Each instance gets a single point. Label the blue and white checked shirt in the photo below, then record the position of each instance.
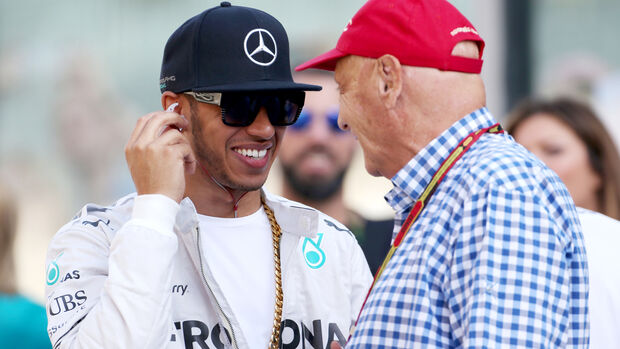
(495, 260)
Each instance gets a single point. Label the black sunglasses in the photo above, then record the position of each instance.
(241, 108)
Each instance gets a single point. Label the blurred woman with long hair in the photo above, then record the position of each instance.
(568, 136)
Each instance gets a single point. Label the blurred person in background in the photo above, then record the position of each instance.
(202, 254)
(489, 250)
(568, 136)
(314, 159)
(91, 122)
(22, 322)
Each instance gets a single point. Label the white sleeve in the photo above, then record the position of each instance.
(122, 295)
(361, 281)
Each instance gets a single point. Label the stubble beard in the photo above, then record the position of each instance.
(208, 159)
(312, 189)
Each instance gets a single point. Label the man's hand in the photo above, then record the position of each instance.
(335, 345)
(158, 154)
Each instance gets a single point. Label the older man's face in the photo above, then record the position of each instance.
(360, 109)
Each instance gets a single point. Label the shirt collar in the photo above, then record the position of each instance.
(410, 181)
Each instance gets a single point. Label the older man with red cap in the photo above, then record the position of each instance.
(488, 249)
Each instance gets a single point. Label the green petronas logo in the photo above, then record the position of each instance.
(53, 272)
(315, 257)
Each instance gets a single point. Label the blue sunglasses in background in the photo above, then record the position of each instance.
(306, 118)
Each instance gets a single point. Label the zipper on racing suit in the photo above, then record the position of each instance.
(227, 323)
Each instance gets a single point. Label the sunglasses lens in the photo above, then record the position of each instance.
(238, 109)
(241, 109)
(284, 109)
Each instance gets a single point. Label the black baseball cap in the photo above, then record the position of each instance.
(228, 48)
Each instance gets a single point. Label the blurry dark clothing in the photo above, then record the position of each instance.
(23, 323)
(374, 237)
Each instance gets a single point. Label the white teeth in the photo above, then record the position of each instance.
(252, 153)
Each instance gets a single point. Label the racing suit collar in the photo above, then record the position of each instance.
(293, 218)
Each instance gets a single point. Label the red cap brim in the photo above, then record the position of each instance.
(326, 61)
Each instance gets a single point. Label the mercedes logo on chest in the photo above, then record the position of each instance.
(261, 42)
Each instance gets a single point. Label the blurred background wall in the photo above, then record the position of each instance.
(75, 75)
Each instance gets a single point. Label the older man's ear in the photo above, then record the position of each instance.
(390, 79)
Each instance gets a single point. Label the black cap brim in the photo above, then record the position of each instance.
(259, 86)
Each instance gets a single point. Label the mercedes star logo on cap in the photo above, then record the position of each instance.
(266, 43)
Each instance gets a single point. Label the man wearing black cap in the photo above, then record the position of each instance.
(488, 251)
(201, 253)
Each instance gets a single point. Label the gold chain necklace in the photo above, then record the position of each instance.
(276, 233)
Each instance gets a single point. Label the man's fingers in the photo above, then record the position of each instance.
(137, 130)
(174, 139)
(165, 145)
(170, 136)
(161, 121)
(335, 345)
(151, 126)
(159, 154)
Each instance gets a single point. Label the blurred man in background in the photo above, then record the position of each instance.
(314, 158)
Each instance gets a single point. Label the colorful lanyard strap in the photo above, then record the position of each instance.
(419, 205)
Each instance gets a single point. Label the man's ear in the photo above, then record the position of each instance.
(168, 98)
(390, 79)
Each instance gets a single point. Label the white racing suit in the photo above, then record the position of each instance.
(115, 284)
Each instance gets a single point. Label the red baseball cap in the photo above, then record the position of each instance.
(419, 33)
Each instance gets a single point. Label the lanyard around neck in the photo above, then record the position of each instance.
(420, 204)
